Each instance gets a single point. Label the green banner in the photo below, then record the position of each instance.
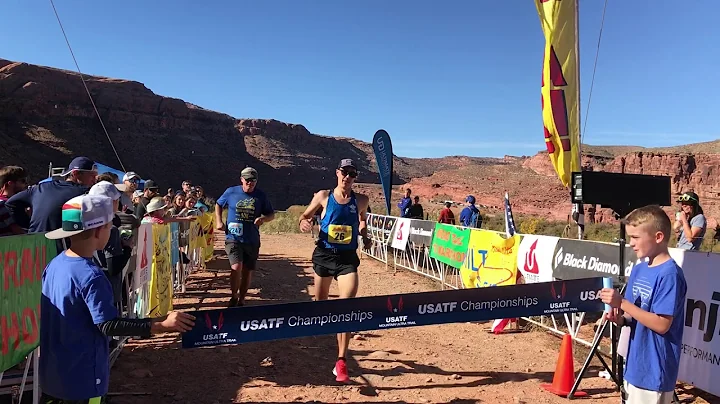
(450, 244)
(22, 260)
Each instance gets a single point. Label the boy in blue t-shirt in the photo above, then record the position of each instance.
(77, 311)
(653, 307)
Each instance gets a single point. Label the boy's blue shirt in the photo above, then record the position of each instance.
(654, 360)
(76, 298)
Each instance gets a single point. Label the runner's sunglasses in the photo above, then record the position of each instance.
(686, 198)
(349, 173)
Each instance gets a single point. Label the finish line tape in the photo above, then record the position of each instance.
(238, 325)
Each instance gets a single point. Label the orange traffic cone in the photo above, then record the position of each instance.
(564, 371)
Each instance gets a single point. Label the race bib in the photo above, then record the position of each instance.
(236, 229)
(339, 234)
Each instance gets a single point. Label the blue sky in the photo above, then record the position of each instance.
(443, 78)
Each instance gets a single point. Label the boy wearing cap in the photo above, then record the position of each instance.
(335, 256)
(77, 310)
(248, 208)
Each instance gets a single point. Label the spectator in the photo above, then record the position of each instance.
(47, 198)
(77, 309)
(155, 211)
(690, 223)
(150, 191)
(114, 256)
(416, 210)
(446, 215)
(186, 185)
(13, 180)
(405, 204)
(177, 204)
(131, 181)
(470, 215)
(136, 196)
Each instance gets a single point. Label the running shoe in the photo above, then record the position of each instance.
(233, 302)
(340, 371)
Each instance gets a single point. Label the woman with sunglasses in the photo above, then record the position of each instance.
(690, 222)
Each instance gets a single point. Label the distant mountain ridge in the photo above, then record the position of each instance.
(46, 111)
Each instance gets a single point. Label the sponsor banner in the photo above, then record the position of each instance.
(375, 225)
(700, 349)
(145, 251)
(401, 233)
(302, 319)
(175, 243)
(450, 244)
(421, 232)
(160, 294)
(535, 258)
(491, 260)
(388, 229)
(382, 146)
(574, 259)
(23, 260)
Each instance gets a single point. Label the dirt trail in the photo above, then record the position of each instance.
(452, 363)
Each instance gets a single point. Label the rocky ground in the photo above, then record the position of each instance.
(453, 363)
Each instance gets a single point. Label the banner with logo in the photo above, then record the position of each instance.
(401, 234)
(491, 260)
(421, 232)
(302, 319)
(700, 349)
(145, 251)
(175, 243)
(535, 258)
(382, 146)
(574, 259)
(160, 292)
(560, 85)
(23, 260)
(450, 244)
(388, 229)
(375, 224)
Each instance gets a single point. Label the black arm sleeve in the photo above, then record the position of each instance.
(126, 327)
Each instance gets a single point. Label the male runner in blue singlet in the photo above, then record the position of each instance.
(335, 256)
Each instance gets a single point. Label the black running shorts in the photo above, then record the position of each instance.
(241, 253)
(334, 262)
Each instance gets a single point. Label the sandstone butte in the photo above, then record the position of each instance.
(46, 116)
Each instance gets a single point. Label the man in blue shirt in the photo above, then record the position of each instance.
(470, 215)
(405, 204)
(46, 199)
(654, 309)
(248, 209)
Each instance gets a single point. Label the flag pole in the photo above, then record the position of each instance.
(579, 206)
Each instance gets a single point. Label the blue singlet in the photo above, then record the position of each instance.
(340, 227)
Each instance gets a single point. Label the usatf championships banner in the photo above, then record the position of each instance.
(292, 320)
(384, 158)
(560, 104)
(450, 244)
(23, 260)
(491, 260)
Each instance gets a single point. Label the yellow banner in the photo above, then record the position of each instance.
(560, 85)
(207, 221)
(491, 260)
(160, 295)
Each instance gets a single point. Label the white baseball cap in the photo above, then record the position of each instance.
(82, 213)
(130, 175)
(105, 188)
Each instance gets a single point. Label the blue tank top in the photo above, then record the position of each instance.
(340, 226)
